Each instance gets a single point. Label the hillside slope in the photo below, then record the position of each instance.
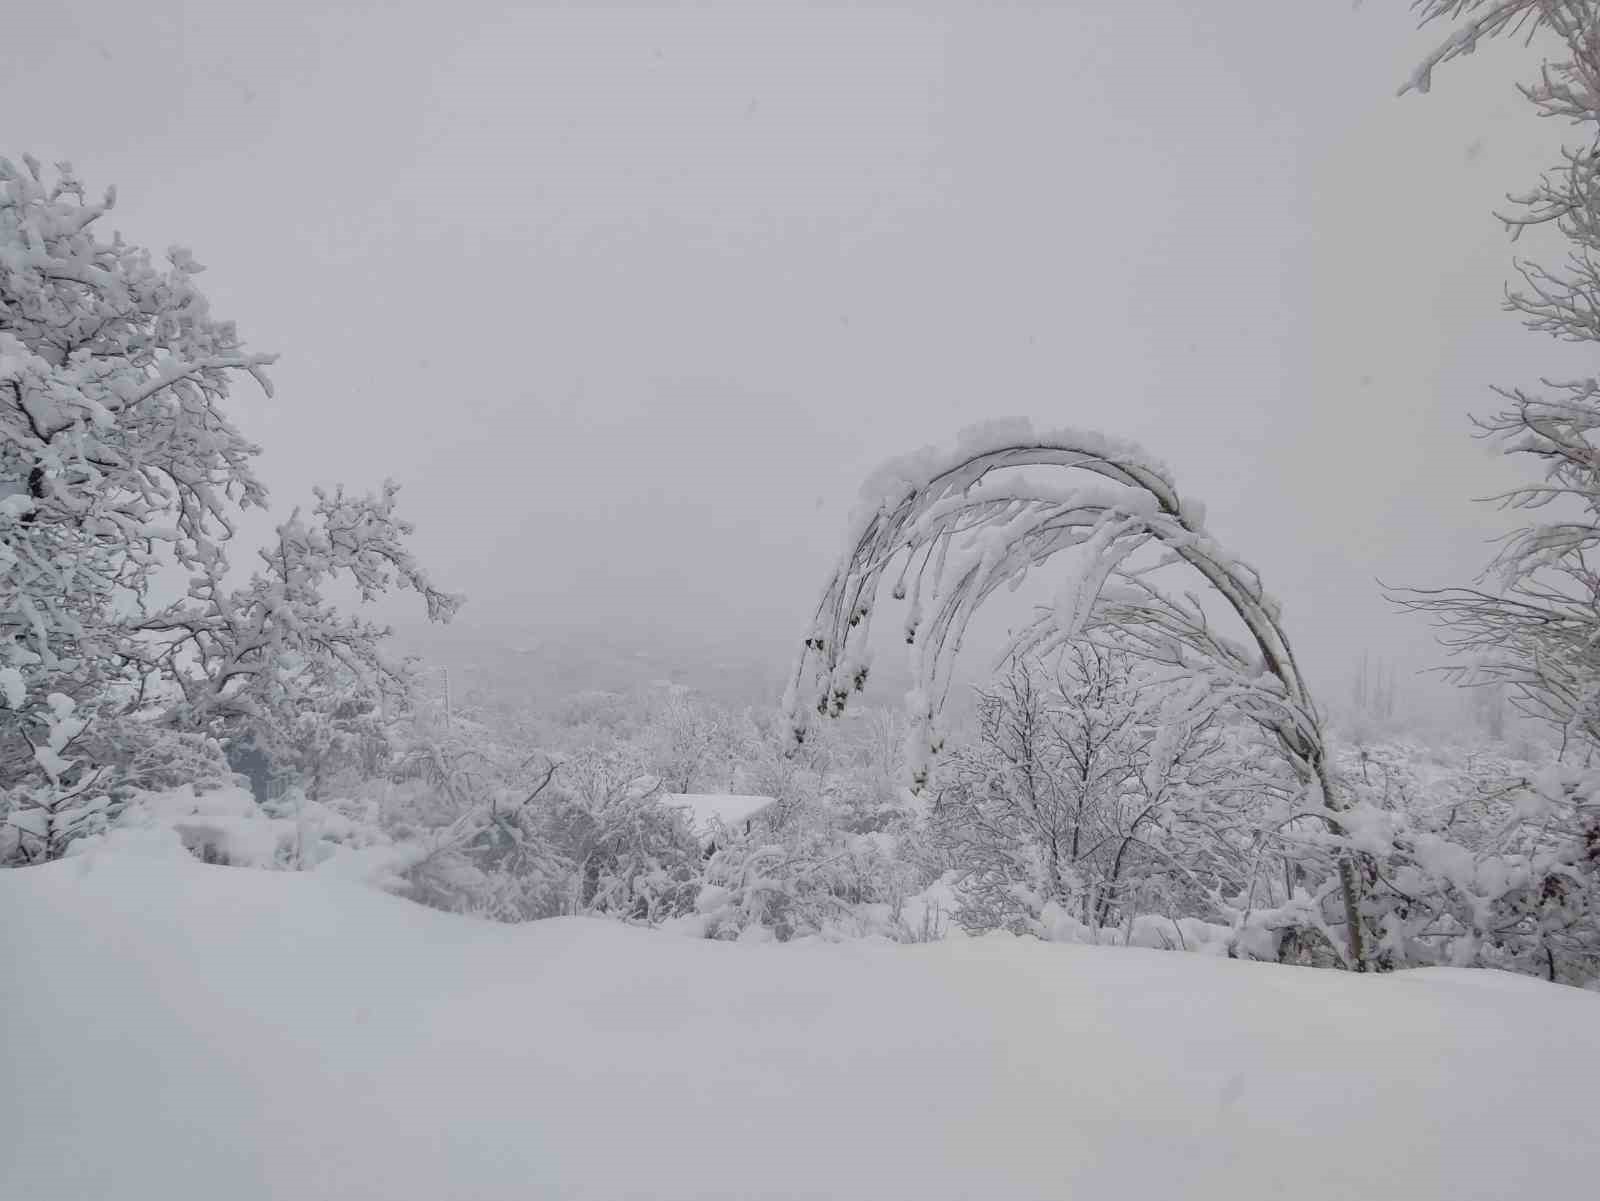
(177, 1031)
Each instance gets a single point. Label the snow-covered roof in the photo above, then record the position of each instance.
(708, 810)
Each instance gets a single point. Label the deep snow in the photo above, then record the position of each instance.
(175, 1031)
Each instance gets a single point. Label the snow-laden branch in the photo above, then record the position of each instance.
(953, 530)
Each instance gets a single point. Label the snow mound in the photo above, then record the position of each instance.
(227, 826)
(176, 1030)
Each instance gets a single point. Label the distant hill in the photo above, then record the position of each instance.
(537, 667)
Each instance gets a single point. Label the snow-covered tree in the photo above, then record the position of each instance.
(116, 457)
(118, 462)
(686, 742)
(1082, 791)
(1532, 624)
(275, 659)
(69, 802)
(953, 527)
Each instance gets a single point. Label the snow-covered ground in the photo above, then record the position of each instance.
(176, 1031)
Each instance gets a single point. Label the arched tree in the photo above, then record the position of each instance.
(951, 528)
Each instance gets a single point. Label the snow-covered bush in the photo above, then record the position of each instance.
(813, 881)
(828, 858)
(1475, 859)
(227, 827)
(631, 855)
(1093, 795)
(467, 803)
(517, 834)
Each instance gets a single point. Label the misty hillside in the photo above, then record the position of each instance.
(535, 667)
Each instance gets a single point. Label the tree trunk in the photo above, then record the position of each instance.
(1347, 875)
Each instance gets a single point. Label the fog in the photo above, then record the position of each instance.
(630, 299)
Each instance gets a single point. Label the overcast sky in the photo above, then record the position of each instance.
(631, 298)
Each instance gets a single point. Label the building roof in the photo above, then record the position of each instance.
(707, 810)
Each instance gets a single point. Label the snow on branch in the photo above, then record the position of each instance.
(950, 528)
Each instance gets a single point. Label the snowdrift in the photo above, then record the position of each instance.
(175, 1030)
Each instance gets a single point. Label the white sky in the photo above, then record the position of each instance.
(631, 298)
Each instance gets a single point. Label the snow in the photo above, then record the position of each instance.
(186, 1031)
(707, 810)
(228, 825)
(12, 690)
